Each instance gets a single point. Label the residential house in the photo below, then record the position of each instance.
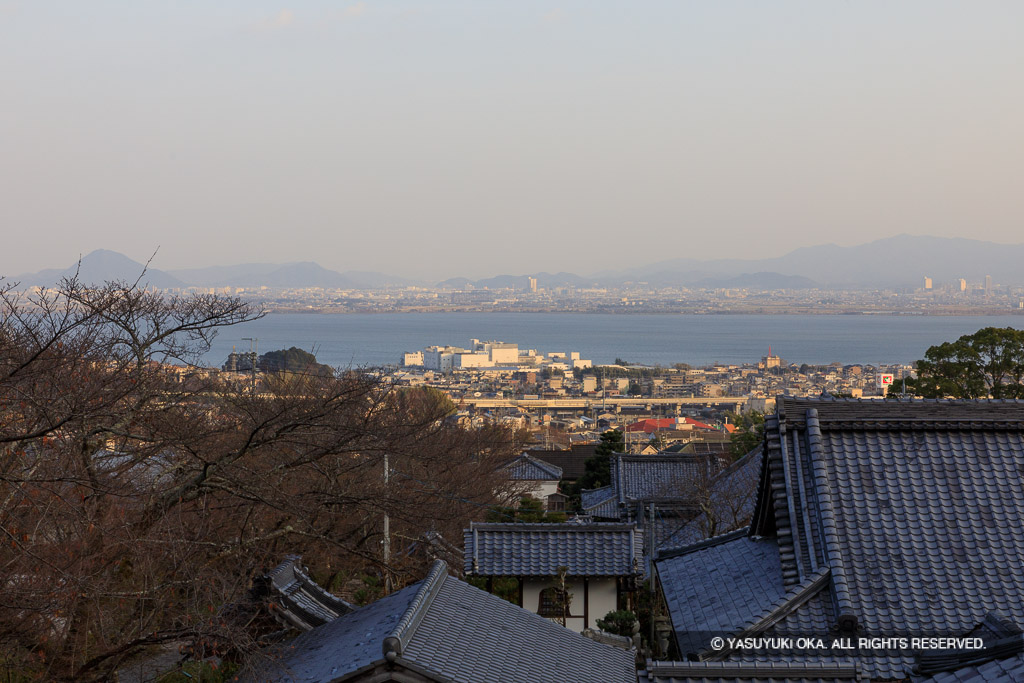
(539, 478)
(600, 564)
(572, 461)
(668, 431)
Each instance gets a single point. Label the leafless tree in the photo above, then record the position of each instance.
(135, 507)
(718, 501)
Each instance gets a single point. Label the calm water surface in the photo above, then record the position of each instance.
(380, 339)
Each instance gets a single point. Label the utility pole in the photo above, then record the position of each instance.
(650, 569)
(387, 530)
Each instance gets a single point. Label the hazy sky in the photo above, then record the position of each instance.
(464, 137)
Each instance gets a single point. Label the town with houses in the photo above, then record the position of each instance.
(563, 398)
(565, 394)
(531, 294)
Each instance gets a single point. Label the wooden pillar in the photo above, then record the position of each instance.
(586, 602)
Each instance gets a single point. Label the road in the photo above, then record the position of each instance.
(586, 403)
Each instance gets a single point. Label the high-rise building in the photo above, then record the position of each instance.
(927, 283)
(963, 285)
(988, 285)
(533, 285)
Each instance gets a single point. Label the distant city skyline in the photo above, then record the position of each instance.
(471, 139)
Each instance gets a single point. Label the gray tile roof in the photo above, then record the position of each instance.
(728, 672)
(673, 481)
(601, 503)
(1009, 670)
(349, 643)
(447, 630)
(910, 501)
(595, 549)
(909, 509)
(729, 504)
(1003, 643)
(528, 468)
(656, 477)
(692, 582)
(296, 600)
(573, 461)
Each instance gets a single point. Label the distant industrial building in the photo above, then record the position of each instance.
(490, 354)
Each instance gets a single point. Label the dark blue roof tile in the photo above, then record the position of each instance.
(595, 549)
(528, 468)
(912, 507)
(448, 630)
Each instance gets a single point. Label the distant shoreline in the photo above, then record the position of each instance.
(647, 339)
(638, 312)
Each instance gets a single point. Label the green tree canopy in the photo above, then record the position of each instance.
(748, 435)
(293, 360)
(620, 622)
(988, 363)
(597, 468)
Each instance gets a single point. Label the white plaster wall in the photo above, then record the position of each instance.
(472, 360)
(543, 489)
(603, 599)
(602, 595)
(505, 356)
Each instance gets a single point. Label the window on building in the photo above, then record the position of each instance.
(556, 502)
(554, 602)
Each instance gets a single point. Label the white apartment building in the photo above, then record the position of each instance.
(490, 354)
(499, 353)
(440, 358)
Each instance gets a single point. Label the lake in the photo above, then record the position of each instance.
(380, 339)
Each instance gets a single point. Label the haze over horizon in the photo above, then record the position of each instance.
(467, 139)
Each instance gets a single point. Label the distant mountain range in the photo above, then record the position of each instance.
(901, 261)
(103, 265)
(100, 266)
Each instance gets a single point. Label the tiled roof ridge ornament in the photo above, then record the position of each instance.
(394, 644)
(290, 562)
(295, 600)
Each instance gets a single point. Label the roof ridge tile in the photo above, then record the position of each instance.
(847, 618)
(396, 641)
(666, 553)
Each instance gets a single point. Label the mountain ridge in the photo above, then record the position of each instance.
(893, 262)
